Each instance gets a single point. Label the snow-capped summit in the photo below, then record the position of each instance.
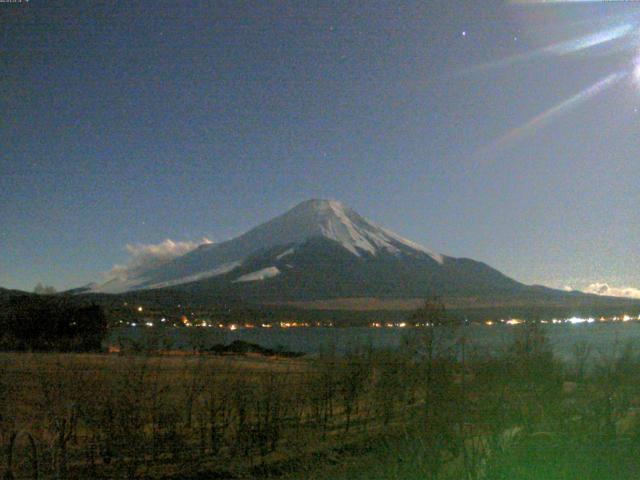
(332, 220)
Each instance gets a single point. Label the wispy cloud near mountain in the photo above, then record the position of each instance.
(602, 288)
(606, 289)
(148, 256)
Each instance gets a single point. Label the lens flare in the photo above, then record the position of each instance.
(636, 70)
(592, 40)
(539, 121)
(560, 49)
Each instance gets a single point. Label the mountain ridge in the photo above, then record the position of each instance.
(309, 219)
(323, 251)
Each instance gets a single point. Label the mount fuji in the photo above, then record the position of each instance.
(318, 250)
(323, 255)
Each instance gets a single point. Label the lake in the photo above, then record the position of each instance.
(605, 338)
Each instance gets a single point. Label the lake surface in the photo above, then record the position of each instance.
(605, 338)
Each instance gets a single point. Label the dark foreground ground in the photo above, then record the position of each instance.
(432, 409)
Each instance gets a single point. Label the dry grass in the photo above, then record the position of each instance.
(130, 415)
(383, 415)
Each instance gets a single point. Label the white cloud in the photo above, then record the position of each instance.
(147, 256)
(605, 289)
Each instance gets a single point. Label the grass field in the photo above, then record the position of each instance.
(424, 411)
(95, 416)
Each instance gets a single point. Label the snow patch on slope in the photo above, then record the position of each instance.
(117, 285)
(262, 274)
(284, 254)
(222, 269)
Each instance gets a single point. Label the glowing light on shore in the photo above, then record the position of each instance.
(514, 321)
(575, 320)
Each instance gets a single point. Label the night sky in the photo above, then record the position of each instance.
(505, 132)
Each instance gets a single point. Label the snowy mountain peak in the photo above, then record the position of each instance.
(310, 219)
(332, 220)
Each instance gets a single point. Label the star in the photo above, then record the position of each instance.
(464, 33)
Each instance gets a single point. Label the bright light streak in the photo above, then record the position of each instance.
(568, 47)
(636, 70)
(590, 41)
(547, 116)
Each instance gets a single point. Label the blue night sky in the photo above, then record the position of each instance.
(503, 132)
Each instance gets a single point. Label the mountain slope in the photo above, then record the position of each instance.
(311, 219)
(322, 250)
(323, 269)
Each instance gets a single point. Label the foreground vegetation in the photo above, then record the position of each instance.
(50, 323)
(436, 409)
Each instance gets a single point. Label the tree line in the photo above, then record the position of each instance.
(50, 322)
